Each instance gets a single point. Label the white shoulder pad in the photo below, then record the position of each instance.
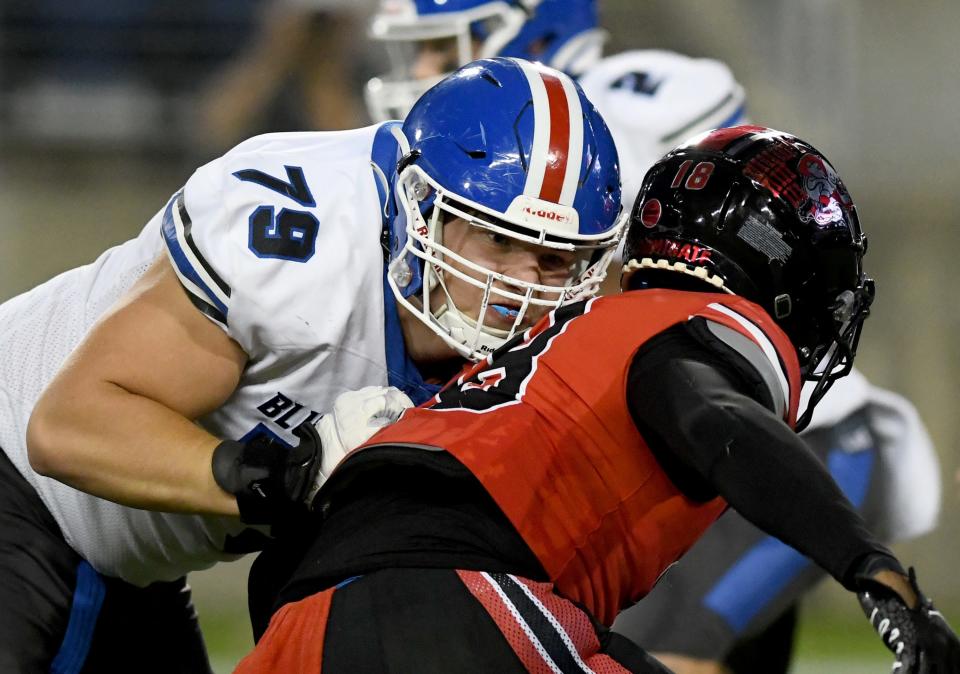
(913, 484)
(846, 396)
(653, 100)
(256, 235)
(911, 476)
(761, 354)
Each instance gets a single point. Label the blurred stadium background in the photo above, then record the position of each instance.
(106, 106)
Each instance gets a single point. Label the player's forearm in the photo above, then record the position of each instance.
(126, 448)
(697, 420)
(773, 480)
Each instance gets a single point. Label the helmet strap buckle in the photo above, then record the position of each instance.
(782, 306)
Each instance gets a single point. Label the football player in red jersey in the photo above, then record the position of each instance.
(503, 525)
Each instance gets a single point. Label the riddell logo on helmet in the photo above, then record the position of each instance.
(552, 216)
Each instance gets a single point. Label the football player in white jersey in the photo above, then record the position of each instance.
(653, 100)
(151, 397)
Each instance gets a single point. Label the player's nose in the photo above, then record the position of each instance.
(524, 265)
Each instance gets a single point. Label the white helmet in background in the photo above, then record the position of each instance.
(562, 34)
(653, 100)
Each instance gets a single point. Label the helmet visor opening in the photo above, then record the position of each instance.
(540, 237)
(427, 46)
(501, 246)
(425, 60)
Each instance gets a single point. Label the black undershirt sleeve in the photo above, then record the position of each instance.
(712, 430)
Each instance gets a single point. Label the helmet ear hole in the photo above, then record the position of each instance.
(782, 306)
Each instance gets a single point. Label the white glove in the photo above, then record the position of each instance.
(355, 417)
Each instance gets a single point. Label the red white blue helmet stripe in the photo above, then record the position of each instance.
(558, 135)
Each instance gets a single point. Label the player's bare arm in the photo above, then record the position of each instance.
(117, 420)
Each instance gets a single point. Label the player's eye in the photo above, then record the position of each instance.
(555, 261)
(498, 239)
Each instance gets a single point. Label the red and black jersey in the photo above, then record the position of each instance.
(543, 424)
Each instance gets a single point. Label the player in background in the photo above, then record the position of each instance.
(651, 99)
(150, 398)
(504, 524)
(295, 71)
(731, 604)
(872, 440)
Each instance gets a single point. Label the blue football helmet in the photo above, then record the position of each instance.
(654, 99)
(513, 148)
(562, 34)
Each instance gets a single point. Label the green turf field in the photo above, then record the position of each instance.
(834, 637)
(828, 642)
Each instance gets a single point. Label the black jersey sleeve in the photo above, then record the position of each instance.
(712, 428)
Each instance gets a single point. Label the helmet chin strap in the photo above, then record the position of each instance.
(464, 329)
(471, 332)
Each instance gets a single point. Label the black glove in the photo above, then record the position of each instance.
(920, 637)
(268, 478)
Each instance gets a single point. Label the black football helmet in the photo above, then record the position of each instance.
(761, 214)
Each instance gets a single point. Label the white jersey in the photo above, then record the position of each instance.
(653, 100)
(911, 474)
(278, 242)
